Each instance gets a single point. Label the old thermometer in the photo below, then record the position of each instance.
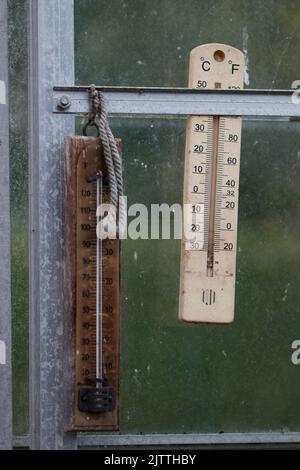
(211, 185)
(96, 288)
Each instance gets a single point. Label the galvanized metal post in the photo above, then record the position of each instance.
(5, 298)
(51, 36)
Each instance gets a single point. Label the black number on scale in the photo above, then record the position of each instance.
(199, 127)
(230, 183)
(85, 293)
(198, 169)
(231, 161)
(108, 252)
(86, 244)
(85, 193)
(228, 246)
(108, 309)
(85, 357)
(85, 227)
(198, 148)
(86, 277)
(195, 246)
(85, 210)
(228, 226)
(233, 138)
(86, 260)
(230, 205)
(85, 309)
(196, 209)
(196, 228)
(230, 193)
(201, 84)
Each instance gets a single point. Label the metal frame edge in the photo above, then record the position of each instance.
(5, 274)
(51, 59)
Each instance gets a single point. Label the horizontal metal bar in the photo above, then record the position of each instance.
(180, 101)
(98, 440)
(180, 90)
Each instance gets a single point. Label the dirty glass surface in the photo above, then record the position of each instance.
(19, 210)
(176, 377)
(147, 43)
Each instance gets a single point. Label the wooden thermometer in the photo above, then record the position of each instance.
(94, 268)
(211, 185)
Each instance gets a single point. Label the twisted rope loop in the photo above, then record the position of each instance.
(98, 117)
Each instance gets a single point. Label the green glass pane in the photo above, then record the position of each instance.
(134, 42)
(179, 377)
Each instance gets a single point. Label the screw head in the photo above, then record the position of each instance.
(64, 102)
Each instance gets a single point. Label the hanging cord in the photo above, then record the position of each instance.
(98, 118)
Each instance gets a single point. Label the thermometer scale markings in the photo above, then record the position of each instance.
(211, 193)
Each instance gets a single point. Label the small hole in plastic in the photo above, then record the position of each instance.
(219, 56)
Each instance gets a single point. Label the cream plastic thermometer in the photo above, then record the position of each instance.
(211, 185)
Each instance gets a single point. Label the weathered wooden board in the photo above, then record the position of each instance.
(84, 158)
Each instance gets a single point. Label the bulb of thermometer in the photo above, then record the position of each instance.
(211, 184)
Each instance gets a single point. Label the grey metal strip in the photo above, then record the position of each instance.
(181, 101)
(98, 440)
(51, 33)
(22, 442)
(5, 287)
